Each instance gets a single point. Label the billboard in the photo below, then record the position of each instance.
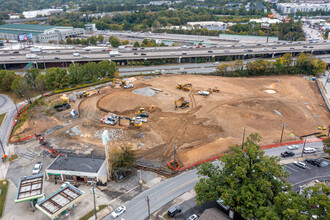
(25, 37)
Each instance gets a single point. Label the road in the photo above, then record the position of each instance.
(6, 106)
(170, 189)
(311, 34)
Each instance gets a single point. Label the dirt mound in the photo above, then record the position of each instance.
(124, 102)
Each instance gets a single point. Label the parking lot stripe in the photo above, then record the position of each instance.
(287, 166)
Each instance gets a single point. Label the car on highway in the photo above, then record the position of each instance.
(184, 53)
(227, 51)
(293, 147)
(36, 169)
(76, 54)
(85, 56)
(135, 53)
(311, 47)
(173, 211)
(193, 217)
(264, 49)
(118, 211)
(143, 54)
(58, 51)
(314, 162)
(134, 48)
(56, 58)
(309, 150)
(300, 164)
(12, 58)
(305, 47)
(172, 53)
(210, 51)
(198, 47)
(274, 48)
(104, 50)
(292, 48)
(287, 154)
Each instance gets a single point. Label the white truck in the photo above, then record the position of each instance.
(121, 48)
(114, 53)
(31, 56)
(76, 54)
(35, 50)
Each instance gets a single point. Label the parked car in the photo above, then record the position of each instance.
(56, 58)
(193, 217)
(36, 169)
(287, 154)
(173, 211)
(220, 202)
(309, 150)
(143, 54)
(314, 162)
(128, 86)
(293, 147)
(118, 211)
(300, 164)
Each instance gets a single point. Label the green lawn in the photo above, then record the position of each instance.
(91, 213)
(2, 116)
(3, 195)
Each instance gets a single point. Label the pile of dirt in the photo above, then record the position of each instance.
(124, 102)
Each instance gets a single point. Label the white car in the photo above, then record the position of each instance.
(85, 56)
(193, 217)
(118, 211)
(206, 93)
(300, 164)
(143, 119)
(128, 86)
(293, 147)
(36, 169)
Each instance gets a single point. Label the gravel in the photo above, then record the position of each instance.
(147, 91)
(116, 134)
(74, 131)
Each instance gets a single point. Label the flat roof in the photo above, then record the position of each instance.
(28, 28)
(29, 188)
(59, 201)
(79, 164)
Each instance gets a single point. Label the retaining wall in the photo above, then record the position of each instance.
(323, 93)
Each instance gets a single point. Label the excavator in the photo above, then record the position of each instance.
(184, 87)
(142, 110)
(122, 82)
(216, 89)
(183, 103)
(135, 123)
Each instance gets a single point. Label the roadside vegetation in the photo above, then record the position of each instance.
(4, 188)
(122, 160)
(254, 186)
(285, 65)
(2, 117)
(91, 213)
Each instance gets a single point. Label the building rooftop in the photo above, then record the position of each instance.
(27, 28)
(79, 164)
(31, 187)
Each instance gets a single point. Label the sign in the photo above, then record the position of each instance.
(264, 25)
(105, 137)
(25, 37)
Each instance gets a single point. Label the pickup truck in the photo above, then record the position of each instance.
(62, 107)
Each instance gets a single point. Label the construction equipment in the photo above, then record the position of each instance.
(204, 93)
(141, 110)
(135, 123)
(121, 82)
(183, 103)
(184, 87)
(152, 109)
(110, 119)
(216, 89)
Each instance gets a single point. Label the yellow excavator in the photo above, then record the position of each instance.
(182, 102)
(216, 89)
(135, 123)
(122, 82)
(184, 87)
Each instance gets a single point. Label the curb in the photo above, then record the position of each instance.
(22, 139)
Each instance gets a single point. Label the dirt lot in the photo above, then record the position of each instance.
(204, 129)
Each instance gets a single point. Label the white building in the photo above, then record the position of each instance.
(266, 20)
(288, 8)
(210, 25)
(12, 17)
(43, 12)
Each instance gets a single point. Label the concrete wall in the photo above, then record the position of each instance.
(323, 93)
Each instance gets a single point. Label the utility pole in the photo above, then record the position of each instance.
(147, 200)
(243, 138)
(283, 125)
(93, 189)
(302, 152)
(3, 150)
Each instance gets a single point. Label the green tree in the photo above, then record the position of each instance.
(56, 78)
(31, 76)
(222, 68)
(41, 83)
(145, 41)
(100, 38)
(93, 40)
(21, 88)
(115, 42)
(2, 75)
(136, 44)
(248, 180)
(326, 145)
(122, 159)
(78, 41)
(68, 40)
(125, 42)
(7, 80)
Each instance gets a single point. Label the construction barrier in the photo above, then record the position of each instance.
(261, 147)
(22, 139)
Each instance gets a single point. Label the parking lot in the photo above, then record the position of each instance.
(299, 176)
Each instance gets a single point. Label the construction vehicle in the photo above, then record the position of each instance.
(135, 123)
(121, 82)
(216, 89)
(204, 93)
(184, 87)
(183, 103)
(152, 109)
(110, 119)
(141, 110)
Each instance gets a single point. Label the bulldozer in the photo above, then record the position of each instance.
(135, 123)
(122, 82)
(183, 103)
(184, 87)
(141, 110)
(152, 109)
(216, 89)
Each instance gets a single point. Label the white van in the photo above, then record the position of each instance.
(309, 150)
(76, 54)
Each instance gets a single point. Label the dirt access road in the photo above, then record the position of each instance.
(211, 123)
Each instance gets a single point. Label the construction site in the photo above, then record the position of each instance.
(192, 116)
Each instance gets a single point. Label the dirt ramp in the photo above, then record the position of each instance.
(124, 102)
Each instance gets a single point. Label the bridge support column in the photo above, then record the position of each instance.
(273, 55)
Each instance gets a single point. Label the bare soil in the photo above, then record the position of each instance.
(204, 129)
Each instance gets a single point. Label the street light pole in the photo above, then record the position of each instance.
(302, 152)
(243, 138)
(93, 184)
(147, 200)
(3, 150)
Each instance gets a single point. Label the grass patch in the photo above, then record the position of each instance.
(3, 195)
(2, 116)
(91, 213)
(13, 157)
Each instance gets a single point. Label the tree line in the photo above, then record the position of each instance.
(54, 78)
(285, 65)
(254, 186)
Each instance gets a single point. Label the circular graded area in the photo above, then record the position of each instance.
(125, 102)
(270, 91)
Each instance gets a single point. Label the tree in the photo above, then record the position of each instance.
(122, 159)
(93, 40)
(78, 41)
(145, 41)
(68, 40)
(326, 145)
(238, 65)
(136, 44)
(7, 80)
(40, 83)
(21, 88)
(115, 42)
(248, 180)
(100, 38)
(221, 69)
(31, 76)
(125, 42)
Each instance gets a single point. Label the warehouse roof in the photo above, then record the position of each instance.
(79, 164)
(27, 28)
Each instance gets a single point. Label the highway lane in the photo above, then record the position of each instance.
(170, 189)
